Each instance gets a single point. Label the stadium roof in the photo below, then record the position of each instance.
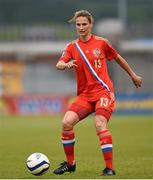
(141, 45)
(36, 48)
(32, 48)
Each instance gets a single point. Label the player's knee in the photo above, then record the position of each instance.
(70, 119)
(100, 123)
(67, 124)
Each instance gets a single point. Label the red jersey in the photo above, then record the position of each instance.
(97, 50)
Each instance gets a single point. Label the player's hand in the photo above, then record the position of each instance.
(137, 80)
(71, 64)
(61, 65)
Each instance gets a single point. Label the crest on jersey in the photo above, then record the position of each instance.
(96, 52)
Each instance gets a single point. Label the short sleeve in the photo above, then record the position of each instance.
(66, 54)
(111, 53)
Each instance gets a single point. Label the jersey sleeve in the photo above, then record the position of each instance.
(111, 53)
(66, 55)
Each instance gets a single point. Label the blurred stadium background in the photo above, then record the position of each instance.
(34, 95)
(34, 33)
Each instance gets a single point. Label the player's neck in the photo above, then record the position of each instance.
(85, 38)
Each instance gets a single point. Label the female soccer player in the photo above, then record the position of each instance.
(95, 93)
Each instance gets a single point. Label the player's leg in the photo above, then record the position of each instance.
(77, 111)
(68, 137)
(68, 140)
(105, 139)
(104, 109)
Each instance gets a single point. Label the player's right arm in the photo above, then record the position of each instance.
(61, 65)
(66, 60)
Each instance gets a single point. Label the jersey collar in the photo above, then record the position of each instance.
(91, 37)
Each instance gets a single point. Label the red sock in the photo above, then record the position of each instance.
(68, 140)
(105, 139)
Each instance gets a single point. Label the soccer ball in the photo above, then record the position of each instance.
(37, 163)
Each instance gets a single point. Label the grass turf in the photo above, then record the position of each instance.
(21, 136)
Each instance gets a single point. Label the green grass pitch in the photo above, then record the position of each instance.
(22, 136)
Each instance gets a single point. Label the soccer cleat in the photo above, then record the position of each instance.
(108, 172)
(64, 167)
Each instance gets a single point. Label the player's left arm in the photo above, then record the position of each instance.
(137, 80)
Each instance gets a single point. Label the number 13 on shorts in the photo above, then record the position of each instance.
(104, 102)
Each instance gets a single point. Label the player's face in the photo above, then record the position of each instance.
(83, 27)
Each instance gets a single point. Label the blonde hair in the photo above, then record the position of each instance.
(83, 13)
